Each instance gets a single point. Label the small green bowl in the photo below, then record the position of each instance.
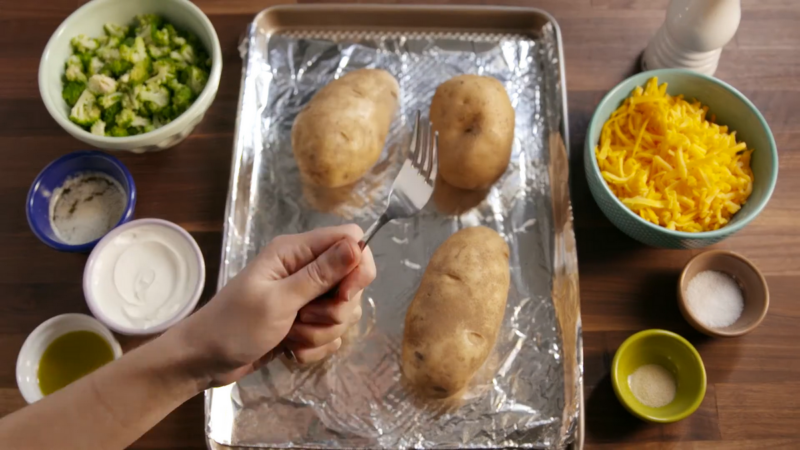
(732, 109)
(675, 354)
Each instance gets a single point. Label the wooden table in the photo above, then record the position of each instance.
(753, 397)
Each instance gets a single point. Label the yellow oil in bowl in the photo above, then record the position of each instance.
(70, 357)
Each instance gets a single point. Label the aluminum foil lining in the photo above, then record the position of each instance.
(527, 394)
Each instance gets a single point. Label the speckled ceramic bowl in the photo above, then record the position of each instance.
(732, 109)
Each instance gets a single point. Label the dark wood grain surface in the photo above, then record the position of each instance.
(753, 398)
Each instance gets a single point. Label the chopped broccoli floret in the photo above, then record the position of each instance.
(117, 67)
(95, 66)
(73, 60)
(157, 52)
(178, 42)
(109, 54)
(161, 37)
(130, 98)
(72, 92)
(140, 122)
(180, 66)
(154, 97)
(165, 71)
(125, 117)
(118, 131)
(166, 115)
(146, 32)
(182, 97)
(140, 72)
(149, 19)
(85, 59)
(185, 54)
(109, 114)
(83, 44)
(101, 84)
(99, 128)
(135, 53)
(113, 42)
(196, 78)
(112, 29)
(147, 25)
(109, 100)
(129, 41)
(85, 112)
(188, 54)
(173, 33)
(75, 73)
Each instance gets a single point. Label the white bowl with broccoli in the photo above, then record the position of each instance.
(131, 75)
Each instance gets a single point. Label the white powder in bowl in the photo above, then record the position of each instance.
(714, 299)
(86, 207)
(653, 385)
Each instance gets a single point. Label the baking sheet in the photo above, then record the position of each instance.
(528, 394)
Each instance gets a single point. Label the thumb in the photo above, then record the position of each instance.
(322, 274)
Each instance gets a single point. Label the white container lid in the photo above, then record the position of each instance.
(144, 276)
(37, 342)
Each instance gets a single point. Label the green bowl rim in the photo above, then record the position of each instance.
(633, 409)
(724, 231)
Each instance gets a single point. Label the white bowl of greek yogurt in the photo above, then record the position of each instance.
(144, 277)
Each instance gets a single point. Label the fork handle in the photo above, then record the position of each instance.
(370, 233)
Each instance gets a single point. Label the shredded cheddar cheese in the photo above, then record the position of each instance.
(665, 161)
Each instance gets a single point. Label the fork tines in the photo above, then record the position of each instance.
(424, 150)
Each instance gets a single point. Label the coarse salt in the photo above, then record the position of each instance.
(714, 299)
(86, 207)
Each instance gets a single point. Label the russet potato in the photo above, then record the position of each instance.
(340, 134)
(452, 324)
(475, 121)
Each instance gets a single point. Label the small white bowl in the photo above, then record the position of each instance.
(118, 262)
(38, 341)
(89, 20)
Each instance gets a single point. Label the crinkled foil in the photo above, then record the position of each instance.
(528, 393)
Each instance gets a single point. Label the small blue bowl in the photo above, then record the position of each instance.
(53, 176)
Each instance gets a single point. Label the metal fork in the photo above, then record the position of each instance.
(410, 192)
(413, 186)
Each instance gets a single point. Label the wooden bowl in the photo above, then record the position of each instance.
(750, 280)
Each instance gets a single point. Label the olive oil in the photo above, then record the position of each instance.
(71, 357)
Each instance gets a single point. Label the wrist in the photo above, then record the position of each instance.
(186, 363)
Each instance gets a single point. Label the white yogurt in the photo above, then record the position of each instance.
(144, 276)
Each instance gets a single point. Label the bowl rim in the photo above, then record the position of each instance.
(634, 409)
(202, 102)
(61, 246)
(179, 315)
(715, 234)
(718, 332)
(85, 323)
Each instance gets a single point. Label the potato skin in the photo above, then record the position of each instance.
(475, 121)
(452, 324)
(340, 133)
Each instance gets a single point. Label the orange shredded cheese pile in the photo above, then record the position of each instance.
(666, 162)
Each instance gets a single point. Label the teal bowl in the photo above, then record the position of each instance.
(732, 109)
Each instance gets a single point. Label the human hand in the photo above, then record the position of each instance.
(239, 328)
